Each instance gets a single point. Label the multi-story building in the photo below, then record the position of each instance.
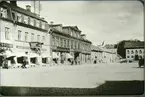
(96, 54)
(134, 50)
(23, 32)
(69, 43)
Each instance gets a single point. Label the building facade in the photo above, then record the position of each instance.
(96, 55)
(134, 50)
(69, 46)
(21, 31)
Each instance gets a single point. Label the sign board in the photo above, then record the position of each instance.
(3, 45)
(35, 45)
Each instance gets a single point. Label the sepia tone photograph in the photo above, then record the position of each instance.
(71, 48)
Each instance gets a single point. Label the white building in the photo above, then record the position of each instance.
(96, 54)
(20, 27)
(134, 50)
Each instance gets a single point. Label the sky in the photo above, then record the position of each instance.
(108, 21)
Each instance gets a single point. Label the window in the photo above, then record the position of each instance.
(72, 44)
(67, 43)
(64, 43)
(132, 52)
(57, 41)
(3, 12)
(140, 51)
(43, 39)
(38, 38)
(19, 17)
(61, 43)
(53, 40)
(26, 36)
(31, 21)
(43, 25)
(13, 15)
(19, 34)
(7, 32)
(136, 51)
(32, 36)
(128, 56)
(25, 19)
(132, 56)
(37, 23)
(128, 52)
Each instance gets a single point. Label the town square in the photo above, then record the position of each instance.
(84, 47)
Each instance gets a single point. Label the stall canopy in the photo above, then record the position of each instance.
(54, 55)
(69, 55)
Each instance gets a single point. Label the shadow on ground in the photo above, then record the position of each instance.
(108, 88)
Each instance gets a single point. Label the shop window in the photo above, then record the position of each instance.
(44, 60)
(19, 34)
(7, 33)
(33, 60)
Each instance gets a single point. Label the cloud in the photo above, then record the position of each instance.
(100, 20)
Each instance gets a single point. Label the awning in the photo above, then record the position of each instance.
(69, 55)
(21, 54)
(9, 54)
(44, 55)
(54, 55)
(32, 55)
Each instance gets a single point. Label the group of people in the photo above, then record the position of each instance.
(4, 62)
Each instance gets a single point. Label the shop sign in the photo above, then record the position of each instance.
(5, 45)
(22, 47)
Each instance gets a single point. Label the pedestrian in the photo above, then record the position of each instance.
(140, 62)
(25, 62)
(5, 63)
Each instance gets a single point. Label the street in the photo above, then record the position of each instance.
(76, 76)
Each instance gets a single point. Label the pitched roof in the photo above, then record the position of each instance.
(73, 27)
(95, 48)
(19, 9)
(133, 44)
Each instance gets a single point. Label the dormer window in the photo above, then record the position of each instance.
(3, 12)
(25, 20)
(19, 17)
(13, 15)
(37, 23)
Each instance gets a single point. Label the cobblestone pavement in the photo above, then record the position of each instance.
(76, 76)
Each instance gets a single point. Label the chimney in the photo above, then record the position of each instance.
(83, 36)
(14, 2)
(28, 7)
(51, 23)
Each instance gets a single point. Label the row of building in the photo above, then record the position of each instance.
(26, 34)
